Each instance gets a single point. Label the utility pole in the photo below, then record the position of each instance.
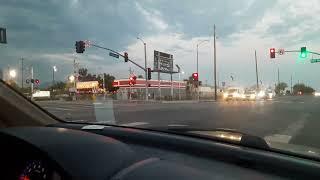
(198, 93)
(215, 63)
(291, 84)
(145, 68)
(198, 84)
(146, 73)
(257, 77)
(33, 81)
(278, 77)
(22, 74)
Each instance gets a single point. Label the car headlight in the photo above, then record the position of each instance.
(261, 94)
(225, 95)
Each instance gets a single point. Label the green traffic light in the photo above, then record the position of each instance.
(303, 52)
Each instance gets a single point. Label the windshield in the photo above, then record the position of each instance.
(232, 90)
(165, 64)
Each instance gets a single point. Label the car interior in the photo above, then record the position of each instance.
(37, 145)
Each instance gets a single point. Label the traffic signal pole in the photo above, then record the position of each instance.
(97, 46)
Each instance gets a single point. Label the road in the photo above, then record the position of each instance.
(293, 120)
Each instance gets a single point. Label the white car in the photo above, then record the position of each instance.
(234, 94)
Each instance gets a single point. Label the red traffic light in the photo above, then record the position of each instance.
(195, 76)
(37, 81)
(272, 53)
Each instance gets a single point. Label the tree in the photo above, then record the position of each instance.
(59, 87)
(302, 88)
(280, 87)
(108, 80)
(83, 72)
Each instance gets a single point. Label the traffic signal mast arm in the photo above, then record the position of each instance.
(97, 46)
(300, 51)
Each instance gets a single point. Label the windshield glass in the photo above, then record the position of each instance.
(165, 64)
(232, 90)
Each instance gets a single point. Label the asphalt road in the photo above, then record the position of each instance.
(293, 120)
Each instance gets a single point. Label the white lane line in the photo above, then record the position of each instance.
(57, 108)
(97, 103)
(134, 124)
(292, 130)
(177, 125)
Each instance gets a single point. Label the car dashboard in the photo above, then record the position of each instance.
(73, 151)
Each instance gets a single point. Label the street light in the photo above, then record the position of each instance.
(12, 73)
(54, 69)
(201, 42)
(145, 66)
(71, 78)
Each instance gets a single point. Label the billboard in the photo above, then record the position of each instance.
(163, 62)
(87, 85)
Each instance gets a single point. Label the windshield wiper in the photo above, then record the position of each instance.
(244, 140)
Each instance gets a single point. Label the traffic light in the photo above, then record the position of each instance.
(80, 46)
(125, 57)
(149, 73)
(37, 81)
(32, 81)
(195, 76)
(303, 52)
(272, 53)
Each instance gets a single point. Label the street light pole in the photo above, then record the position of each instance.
(145, 67)
(257, 77)
(22, 74)
(215, 63)
(198, 93)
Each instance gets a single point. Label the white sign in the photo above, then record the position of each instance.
(41, 94)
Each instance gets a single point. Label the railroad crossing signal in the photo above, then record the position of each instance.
(195, 76)
(132, 80)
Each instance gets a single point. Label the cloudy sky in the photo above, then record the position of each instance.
(44, 34)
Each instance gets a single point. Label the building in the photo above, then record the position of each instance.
(156, 89)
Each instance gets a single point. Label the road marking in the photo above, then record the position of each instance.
(286, 135)
(104, 111)
(134, 124)
(177, 125)
(57, 108)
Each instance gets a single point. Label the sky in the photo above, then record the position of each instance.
(44, 34)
